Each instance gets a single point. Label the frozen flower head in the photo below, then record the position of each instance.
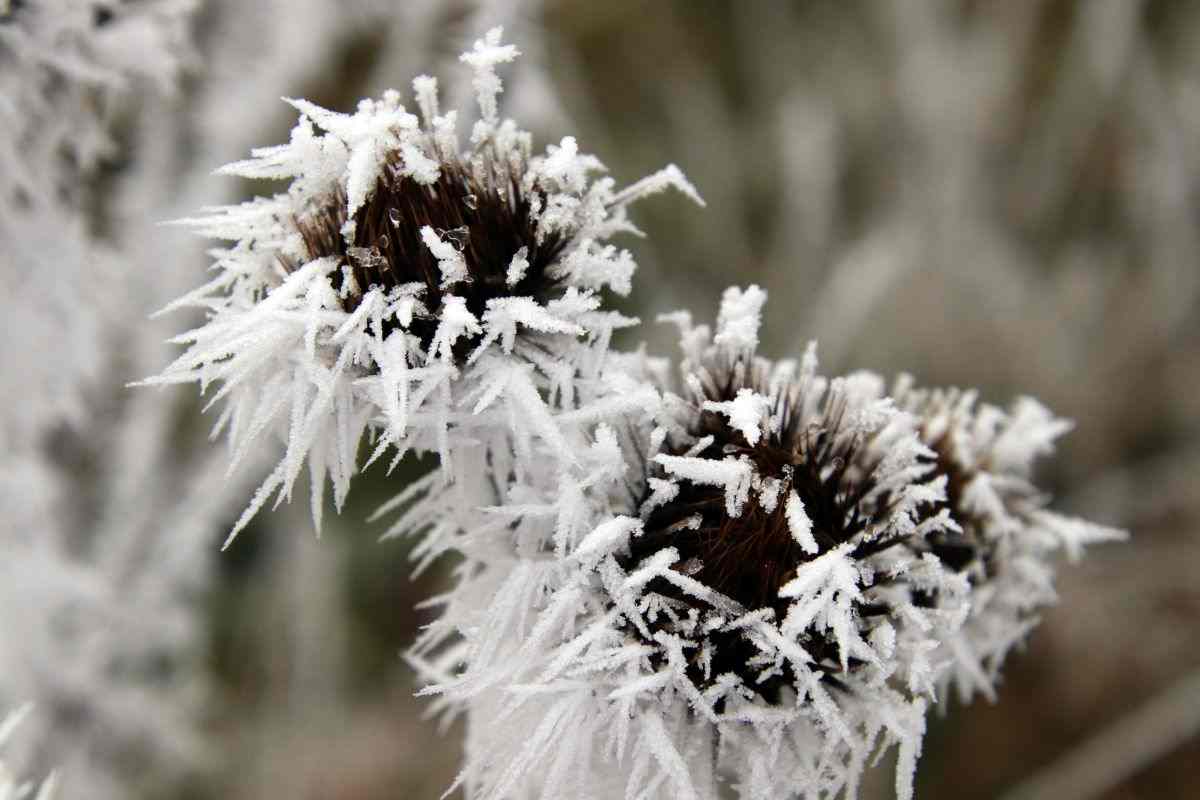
(1009, 541)
(792, 498)
(762, 610)
(406, 281)
(467, 235)
(462, 246)
(780, 570)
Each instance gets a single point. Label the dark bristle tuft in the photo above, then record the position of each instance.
(490, 220)
(752, 556)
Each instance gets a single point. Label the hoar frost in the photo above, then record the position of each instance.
(756, 578)
(748, 574)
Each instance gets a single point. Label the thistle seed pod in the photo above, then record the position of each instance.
(1009, 541)
(409, 287)
(823, 472)
(484, 209)
(765, 581)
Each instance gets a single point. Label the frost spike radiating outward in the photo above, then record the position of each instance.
(400, 274)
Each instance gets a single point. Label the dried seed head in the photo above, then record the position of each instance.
(403, 278)
(820, 480)
(485, 211)
(1009, 541)
(800, 500)
(987, 491)
(944, 419)
(397, 212)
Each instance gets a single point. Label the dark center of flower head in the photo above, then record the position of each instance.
(750, 557)
(972, 552)
(487, 220)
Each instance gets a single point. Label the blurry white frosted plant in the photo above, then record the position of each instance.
(755, 574)
(97, 581)
(67, 68)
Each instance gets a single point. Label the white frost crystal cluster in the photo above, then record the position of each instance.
(748, 591)
(746, 573)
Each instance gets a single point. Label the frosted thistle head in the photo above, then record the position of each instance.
(459, 247)
(775, 486)
(764, 582)
(441, 223)
(408, 283)
(471, 232)
(1009, 540)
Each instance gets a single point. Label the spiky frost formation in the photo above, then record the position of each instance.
(771, 477)
(739, 593)
(1010, 541)
(406, 285)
